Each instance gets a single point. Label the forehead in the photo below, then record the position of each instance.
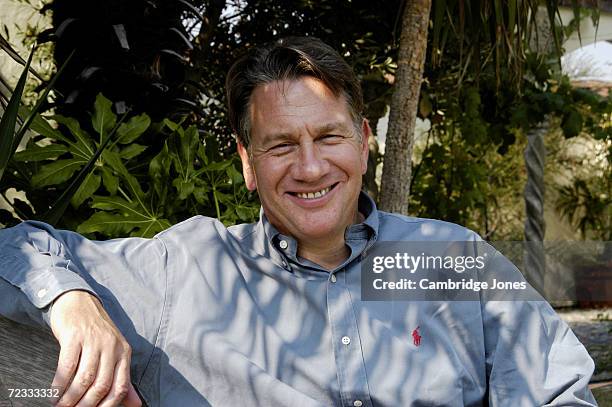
(294, 107)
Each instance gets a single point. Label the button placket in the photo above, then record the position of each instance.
(347, 347)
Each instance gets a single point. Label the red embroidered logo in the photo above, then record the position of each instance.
(416, 338)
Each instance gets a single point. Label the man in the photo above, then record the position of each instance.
(269, 314)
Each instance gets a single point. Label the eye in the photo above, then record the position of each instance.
(330, 138)
(281, 148)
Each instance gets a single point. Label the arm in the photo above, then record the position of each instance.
(39, 265)
(532, 357)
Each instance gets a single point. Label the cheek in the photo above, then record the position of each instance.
(268, 174)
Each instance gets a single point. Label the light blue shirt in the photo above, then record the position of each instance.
(232, 316)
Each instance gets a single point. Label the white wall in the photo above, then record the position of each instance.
(588, 34)
(18, 17)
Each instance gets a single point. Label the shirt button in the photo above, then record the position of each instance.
(333, 278)
(357, 403)
(42, 292)
(283, 244)
(346, 340)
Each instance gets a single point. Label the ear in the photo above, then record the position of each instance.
(247, 168)
(366, 133)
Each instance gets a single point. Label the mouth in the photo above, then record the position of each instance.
(316, 194)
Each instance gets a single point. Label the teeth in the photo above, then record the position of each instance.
(313, 195)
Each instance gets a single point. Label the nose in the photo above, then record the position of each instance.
(310, 165)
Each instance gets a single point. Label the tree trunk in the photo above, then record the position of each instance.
(395, 183)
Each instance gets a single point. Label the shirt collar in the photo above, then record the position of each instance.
(271, 239)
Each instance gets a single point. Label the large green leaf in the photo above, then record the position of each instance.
(56, 172)
(184, 187)
(109, 224)
(132, 151)
(132, 129)
(183, 149)
(84, 144)
(59, 206)
(37, 153)
(41, 126)
(217, 166)
(126, 217)
(89, 186)
(234, 175)
(246, 213)
(109, 180)
(103, 119)
(172, 125)
(159, 172)
(113, 159)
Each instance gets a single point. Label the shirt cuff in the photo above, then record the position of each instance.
(42, 286)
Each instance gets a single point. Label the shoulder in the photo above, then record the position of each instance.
(201, 229)
(196, 225)
(242, 231)
(393, 226)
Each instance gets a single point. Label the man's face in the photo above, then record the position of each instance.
(306, 158)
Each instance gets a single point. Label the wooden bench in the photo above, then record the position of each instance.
(28, 358)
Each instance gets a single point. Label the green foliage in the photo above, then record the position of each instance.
(131, 189)
(495, 34)
(9, 139)
(588, 206)
(583, 196)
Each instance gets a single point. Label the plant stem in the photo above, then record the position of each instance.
(216, 202)
(127, 198)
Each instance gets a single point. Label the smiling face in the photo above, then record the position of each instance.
(305, 159)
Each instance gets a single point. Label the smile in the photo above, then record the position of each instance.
(314, 195)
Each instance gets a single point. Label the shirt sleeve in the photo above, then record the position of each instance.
(39, 263)
(532, 356)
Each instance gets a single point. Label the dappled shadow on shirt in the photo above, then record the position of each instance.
(213, 322)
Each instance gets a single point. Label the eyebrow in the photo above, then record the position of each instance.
(330, 127)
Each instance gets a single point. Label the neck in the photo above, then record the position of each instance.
(328, 253)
